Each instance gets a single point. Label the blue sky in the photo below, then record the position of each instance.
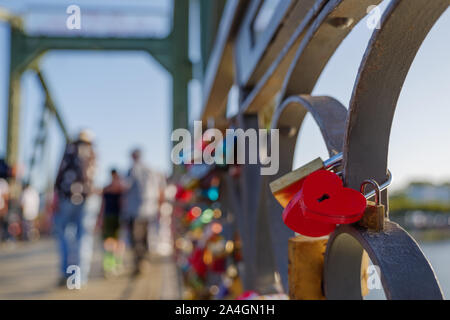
(125, 98)
(420, 137)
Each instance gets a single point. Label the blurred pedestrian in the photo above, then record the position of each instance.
(5, 170)
(29, 202)
(4, 198)
(74, 184)
(143, 198)
(111, 208)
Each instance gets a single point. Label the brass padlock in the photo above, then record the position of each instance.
(285, 187)
(375, 214)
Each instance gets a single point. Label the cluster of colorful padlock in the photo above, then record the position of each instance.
(208, 249)
(321, 202)
(207, 253)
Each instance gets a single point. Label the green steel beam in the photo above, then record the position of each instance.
(12, 145)
(18, 58)
(39, 141)
(210, 16)
(50, 105)
(158, 47)
(182, 68)
(181, 65)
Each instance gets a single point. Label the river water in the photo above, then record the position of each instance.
(438, 253)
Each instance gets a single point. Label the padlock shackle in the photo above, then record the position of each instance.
(374, 192)
(333, 161)
(377, 190)
(336, 160)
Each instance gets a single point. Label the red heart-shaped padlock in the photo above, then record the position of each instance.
(295, 220)
(323, 198)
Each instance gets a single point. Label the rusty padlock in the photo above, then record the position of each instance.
(375, 213)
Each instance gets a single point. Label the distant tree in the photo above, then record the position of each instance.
(401, 203)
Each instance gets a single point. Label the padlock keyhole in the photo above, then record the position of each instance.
(323, 198)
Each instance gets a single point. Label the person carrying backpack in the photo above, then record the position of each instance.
(74, 184)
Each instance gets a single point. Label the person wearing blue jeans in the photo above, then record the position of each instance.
(69, 214)
(73, 186)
